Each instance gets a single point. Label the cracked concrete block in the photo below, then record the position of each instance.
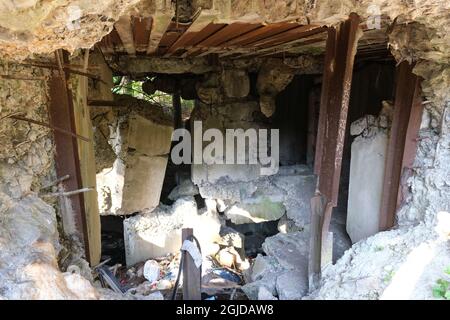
(286, 225)
(157, 233)
(144, 177)
(268, 282)
(291, 250)
(135, 181)
(265, 210)
(148, 137)
(368, 155)
(298, 189)
(292, 285)
(232, 172)
(185, 188)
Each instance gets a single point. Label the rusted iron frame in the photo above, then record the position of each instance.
(288, 36)
(61, 111)
(262, 33)
(402, 141)
(175, 30)
(411, 142)
(141, 32)
(336, 85)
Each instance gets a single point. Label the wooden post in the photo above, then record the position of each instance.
(402, 144)
(336, 85)
(67, 159)
(191, 274)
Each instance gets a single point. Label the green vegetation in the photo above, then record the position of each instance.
(123, 85)
(442, 287)
(389, 276)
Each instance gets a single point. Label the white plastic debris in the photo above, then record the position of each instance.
(151, 271)
(192, 249)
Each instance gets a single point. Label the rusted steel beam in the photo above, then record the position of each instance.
(336, 102)
(402, 145)
(336, 85)
(287, 36)
(411, 141)
(141, 31)
(231, 31)
(261, 34)
(111, 43)
(201, 21)
(172, 34)
(324, 98)
(67, 160)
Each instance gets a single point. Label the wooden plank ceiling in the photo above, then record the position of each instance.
(133, 35)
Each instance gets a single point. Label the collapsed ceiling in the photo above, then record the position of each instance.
(230, 28)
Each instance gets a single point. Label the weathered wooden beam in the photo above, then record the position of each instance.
(141, 28)
(287, 36)
(160, 23)
(336, 85)
(402, 145)
(191, 274)
(231, 31)
(209, 30)
(306, 38)
(205, 18)
(125, 31)
(261, 34)
(61, 111)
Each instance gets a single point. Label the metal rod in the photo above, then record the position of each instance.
(57, 181)
(25, 78)
(65, 68)
(68, 193)
(50, 126)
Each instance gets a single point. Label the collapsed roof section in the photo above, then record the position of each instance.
(226, 29)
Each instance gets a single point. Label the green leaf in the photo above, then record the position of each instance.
(444, 284)
(438, 292)
(447, 271)
(447, 295)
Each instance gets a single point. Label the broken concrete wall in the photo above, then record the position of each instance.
(29, 237)
(405, 263)
(139, 134)
(246, 195)
(157, 233)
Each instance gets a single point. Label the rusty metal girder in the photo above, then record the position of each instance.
(402, 141)
(336, 85)
(67, 160)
